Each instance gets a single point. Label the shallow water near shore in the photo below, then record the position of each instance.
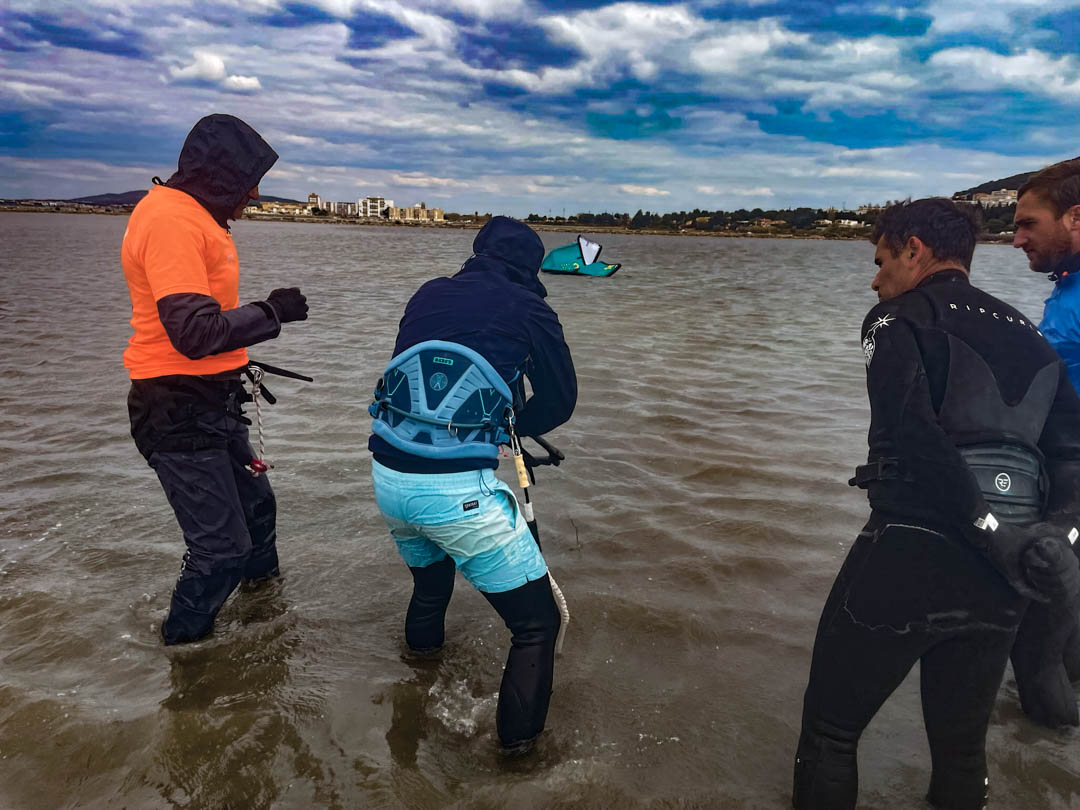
(695, 529)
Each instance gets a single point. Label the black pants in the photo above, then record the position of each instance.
(197, 442)
(531, 615)
(906, 594)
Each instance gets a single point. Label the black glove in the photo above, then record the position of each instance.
(1050, 565)
(1004, 546)
(289, 303)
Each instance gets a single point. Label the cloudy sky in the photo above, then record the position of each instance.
(519, 106)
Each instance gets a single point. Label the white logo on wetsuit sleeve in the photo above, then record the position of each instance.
(868, 344)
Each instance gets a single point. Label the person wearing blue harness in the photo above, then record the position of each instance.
(451, 394)
(1047, 223)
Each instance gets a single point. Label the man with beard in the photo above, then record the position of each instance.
(1046, 658)
(1047, 223)
(970, 412)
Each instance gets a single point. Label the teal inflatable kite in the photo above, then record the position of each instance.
(578, 259)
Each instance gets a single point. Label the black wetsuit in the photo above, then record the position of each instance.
(914, 586)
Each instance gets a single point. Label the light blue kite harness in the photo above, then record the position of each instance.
(442, 400)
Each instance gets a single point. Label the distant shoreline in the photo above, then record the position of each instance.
(574, 228)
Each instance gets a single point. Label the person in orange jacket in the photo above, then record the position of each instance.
(185, 360)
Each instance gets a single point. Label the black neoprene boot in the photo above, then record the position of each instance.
(533, 619)
(196, 600)
(425, 620)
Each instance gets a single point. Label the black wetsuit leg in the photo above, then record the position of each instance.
(903, 594)
(433, 585)
(533, 619)
(956, 723)
(1040, 663)
(201, 488)
(1072, 654)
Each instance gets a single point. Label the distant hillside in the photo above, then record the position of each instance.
(1013, 183)
(124, 198)
(132, 197)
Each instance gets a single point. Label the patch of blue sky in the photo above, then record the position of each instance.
(997, 121)
(367, 30)
(102, 38)
(1007, 122)
(631, 126)
(10, 43)
(586, 5)
(16, 130)
(741, 10)
(499, 45)
(863, 25)
(873, 130)
(1059, 33)
(820, 14)
(497, 90)
(996, 44)
(153, 146)
(296, 15)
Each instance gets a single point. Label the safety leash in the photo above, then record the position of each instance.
(530, 518)
(257, 466)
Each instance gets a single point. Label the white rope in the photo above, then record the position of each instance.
(258, 465)
(564, 611)
(257, 375)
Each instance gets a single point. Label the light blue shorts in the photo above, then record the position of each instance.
(471, 516)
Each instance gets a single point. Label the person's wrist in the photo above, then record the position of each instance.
(268, 307)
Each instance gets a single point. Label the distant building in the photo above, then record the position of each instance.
(417, 213)
(314, 200)
(1003, 196)
(373, 206)
(342, 209)
(286, 209)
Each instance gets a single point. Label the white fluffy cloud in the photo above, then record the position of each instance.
(1029, 70)
(951, 16)
(737, 191)
(209, 67)
(643, 191)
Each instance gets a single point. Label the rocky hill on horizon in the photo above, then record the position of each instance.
(133, 197)
(1012, 183)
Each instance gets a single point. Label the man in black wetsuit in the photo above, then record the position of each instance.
(971, 411)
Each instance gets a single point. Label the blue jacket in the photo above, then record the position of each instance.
(1061, 317)
(495, 306)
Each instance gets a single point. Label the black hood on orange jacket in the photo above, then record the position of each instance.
(221, 161)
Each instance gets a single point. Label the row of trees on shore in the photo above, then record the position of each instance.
(751, 220)
(804, 219)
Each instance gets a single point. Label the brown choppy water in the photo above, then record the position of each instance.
(695, 529)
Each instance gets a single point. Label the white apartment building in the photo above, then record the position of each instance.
(343, 209)
(373, 206)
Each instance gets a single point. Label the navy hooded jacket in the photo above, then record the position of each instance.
(495, 306)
